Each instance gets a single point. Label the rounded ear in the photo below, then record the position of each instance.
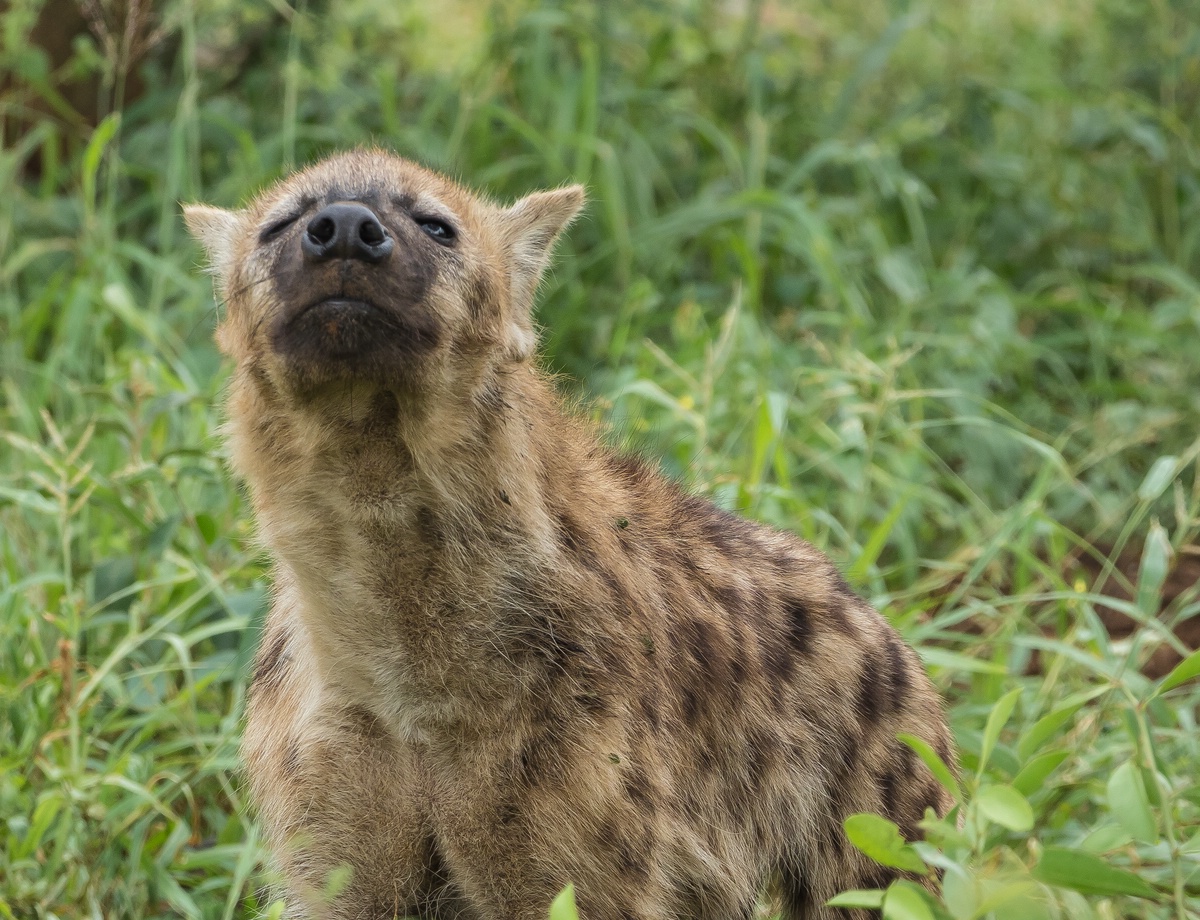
(531, 226)
(217, 230)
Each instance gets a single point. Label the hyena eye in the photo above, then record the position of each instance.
(277, 228)
(438, 229)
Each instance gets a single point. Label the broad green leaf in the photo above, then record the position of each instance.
(961, 893)
(880, 839)
(1019, 899)
(937, 766)
(1105, 839)
(870, 898)
(905, 901)
(1005, 806)
(996, 721)
(1035, 772)
(563, 906)
(1181, 673)
(1129, 803)
(1088, 874)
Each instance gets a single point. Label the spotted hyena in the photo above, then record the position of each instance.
(501, 656)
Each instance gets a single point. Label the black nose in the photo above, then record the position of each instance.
(346, 230)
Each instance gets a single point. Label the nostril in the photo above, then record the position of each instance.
(322, 230)
(371, 233)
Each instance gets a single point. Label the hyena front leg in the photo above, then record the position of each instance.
(340, 797)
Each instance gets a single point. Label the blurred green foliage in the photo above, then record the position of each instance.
(919, 281)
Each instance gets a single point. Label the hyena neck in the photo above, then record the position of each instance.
(437, 533)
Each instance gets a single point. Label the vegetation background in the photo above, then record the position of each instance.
(918, 280)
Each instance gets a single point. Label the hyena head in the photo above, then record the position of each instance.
(367, 269)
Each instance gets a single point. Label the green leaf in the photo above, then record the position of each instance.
(1181, 673)
(1035, 772)
(91, 157)
(1192, 844)
(1159, 477)
(1088, 874)
(878, 539)
(1005, 806)
(1156, 559)
(1019, 899)
(1045, 727)
(563, 906)
(937, 766)
(880, 839)
(870, 898)
(996, 721)
(1130, 804)
(207, 526)
(906, 901)
(961, 893)
(1105, 839)
(29, 499)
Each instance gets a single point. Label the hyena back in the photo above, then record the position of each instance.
(502, 657)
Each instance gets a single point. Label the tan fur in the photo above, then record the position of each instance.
(501, 657)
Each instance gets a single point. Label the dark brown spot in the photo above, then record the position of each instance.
(629, 861)
(699, 637)
(727, 596)
(870, 705)
(291, 758)
(798, 624)
(478, 295)
(942, 746)
(364, 723)
(898, 665)
(384, 410)
(888, 795)
(649, 710)
(797, 893)
(636, 786)
(507, 813)
(429, 528)
(761, 758)
(683, 559)
(876, 876)
(271, 662)
(627, 468)
(592, 703)
(737, 667)
(690, 703)
(837, 614)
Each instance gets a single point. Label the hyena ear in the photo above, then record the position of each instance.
(216, 230)
(531, 227)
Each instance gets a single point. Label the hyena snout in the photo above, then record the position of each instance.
(346, 230)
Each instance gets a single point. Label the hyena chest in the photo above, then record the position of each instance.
(404, 631)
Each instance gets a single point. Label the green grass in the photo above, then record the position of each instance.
(919, 281)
